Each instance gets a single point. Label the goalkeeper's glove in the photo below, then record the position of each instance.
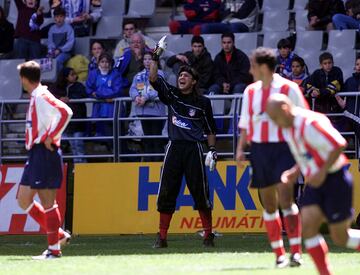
(211, 158)
(160, 48)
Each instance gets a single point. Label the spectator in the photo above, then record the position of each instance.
(298, 71)
(349, 105)
(131, 62)
(61, 39)
(66, 88)
(321, 12)
(147, 105)
(352, 18)
(104, 83)
(97, 48)
(239, 16)
(129, 28)
(6, 34)
(323, 85)
(197, 12)
(284, 58)
(27, 31)
(199, 59)
(80, 14)
(231, 68)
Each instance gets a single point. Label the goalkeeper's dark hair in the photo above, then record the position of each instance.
(325, 56)
(265, 56)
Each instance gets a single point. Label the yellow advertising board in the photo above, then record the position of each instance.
(120, 198)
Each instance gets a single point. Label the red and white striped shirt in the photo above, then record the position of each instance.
(311, 139)
(259, 127)
(46, 117)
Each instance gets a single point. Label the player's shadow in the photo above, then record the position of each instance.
(142, 244)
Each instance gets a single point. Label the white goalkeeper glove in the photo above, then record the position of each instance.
(211, 158)
(160, 48)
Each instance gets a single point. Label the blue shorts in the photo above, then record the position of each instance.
(268, 161)
(43, 169)
(334, 196)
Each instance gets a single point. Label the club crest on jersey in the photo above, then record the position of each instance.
(192, 112)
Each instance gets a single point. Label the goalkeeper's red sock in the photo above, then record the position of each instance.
(165, 219)
(206, 220)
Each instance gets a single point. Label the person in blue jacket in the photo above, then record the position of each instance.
(146, 104)
(104, 84)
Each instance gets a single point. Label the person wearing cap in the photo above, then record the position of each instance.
(190, 116)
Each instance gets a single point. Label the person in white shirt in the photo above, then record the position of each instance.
(270, 155)
(318, 150)
(46, 119)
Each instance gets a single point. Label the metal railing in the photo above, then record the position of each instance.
(119, 122)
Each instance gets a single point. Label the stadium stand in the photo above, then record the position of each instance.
(246, 41)
(82, 46)
(113, 7)
(299, 5)
(275, 5)
(137, 9)
(179, 43)
(301, 20)
(306, 38)
(342, 40)
(275, 21)
(212, 43)
(10, 86)
(311, 58)
(109, 27)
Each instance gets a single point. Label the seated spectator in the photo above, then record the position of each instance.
(97, 48)
(321, 12)
(348, 105)
(197, 12)
(352, 18)
(7, 36)
(129, 28)
(147, 105)
(80, 14)
(298, 71)
(198, 58)
(239, 16)
(27, 30)
(131, 62)
(284, 58)
(66, 88)
(231, 68)
(104, 83)
(323, 85)
(61, 39)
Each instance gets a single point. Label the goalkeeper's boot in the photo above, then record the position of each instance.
(296, 260)
(209, 240)
(160, 243)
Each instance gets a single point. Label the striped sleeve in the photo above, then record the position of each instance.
(244, 115)
(323, 136)
(57, 115)
(297, 97)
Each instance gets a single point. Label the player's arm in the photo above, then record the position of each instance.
(297, 97)
(324, 138)
(210, 131)
(291, 175)
(243, 125)
(59, 114)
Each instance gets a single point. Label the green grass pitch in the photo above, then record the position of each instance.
(233, 254)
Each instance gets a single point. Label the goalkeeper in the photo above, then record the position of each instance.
(189, 117)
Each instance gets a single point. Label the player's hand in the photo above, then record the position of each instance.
(226, 88)
(315, 92)
(182, 58)
(317, 179)
(340, 101)
(290, 176)
(64, 99)
(48, 143)
(211, 158)
(240, 157)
